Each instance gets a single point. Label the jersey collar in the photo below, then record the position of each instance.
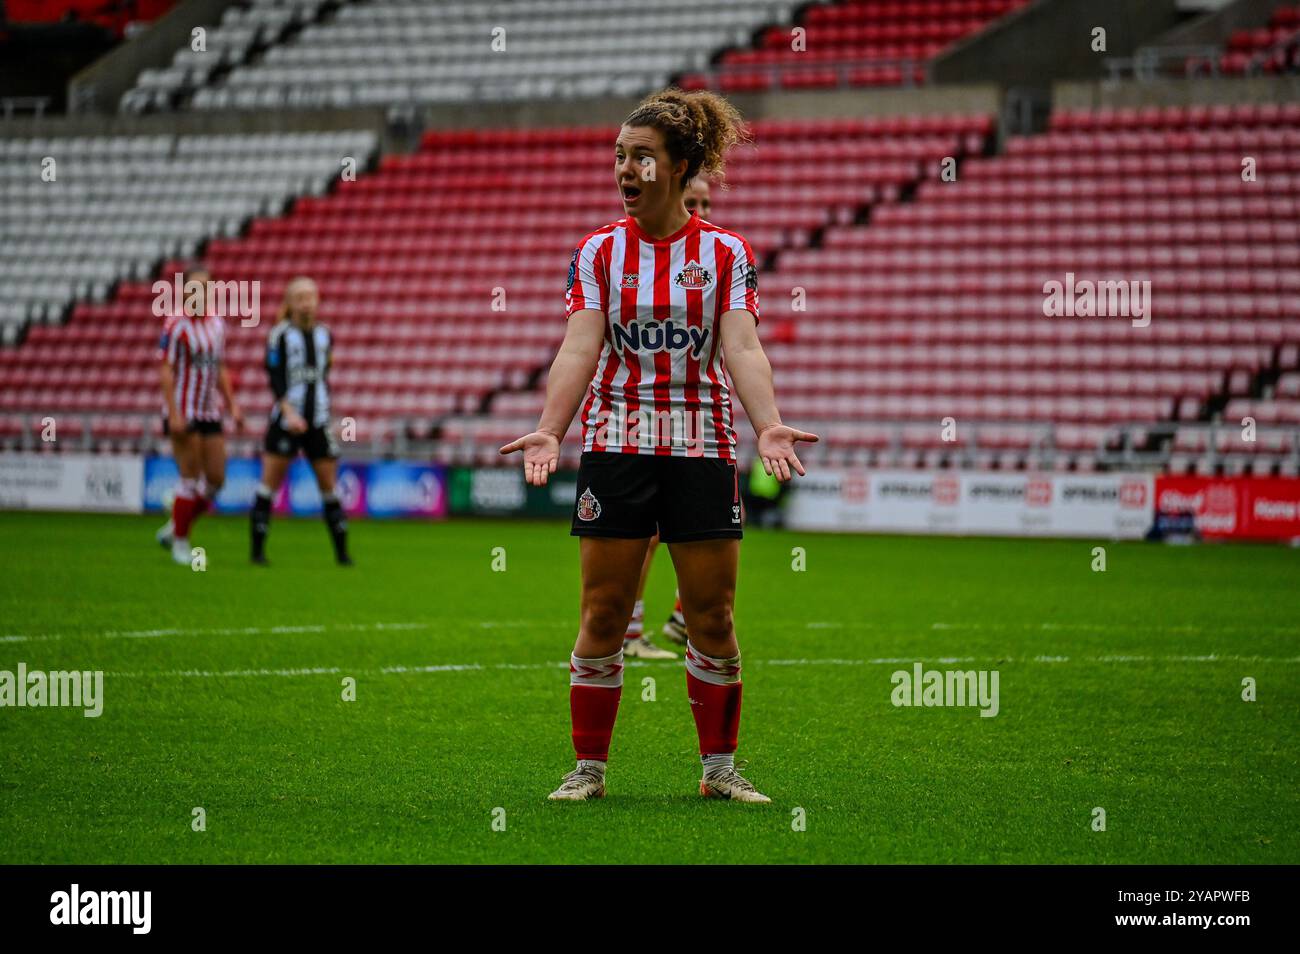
(691, 225)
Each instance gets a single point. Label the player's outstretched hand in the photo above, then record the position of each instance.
(776, 448)
(541, 455)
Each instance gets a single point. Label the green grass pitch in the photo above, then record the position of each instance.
(223, 690)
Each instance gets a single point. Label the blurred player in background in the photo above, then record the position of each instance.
(635, 642)
(656, 302)
(193, 371)
(299, 355)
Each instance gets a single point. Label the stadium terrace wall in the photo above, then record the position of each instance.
(791, 104)
(196, 123)
(1053, 39)
(1201, 91)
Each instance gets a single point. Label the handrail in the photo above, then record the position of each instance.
(1149, 62)
(774, 71)
(11, 104)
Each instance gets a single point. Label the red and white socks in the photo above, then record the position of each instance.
(184, 507)
(714, 688)
(193, 498)
(595, 687)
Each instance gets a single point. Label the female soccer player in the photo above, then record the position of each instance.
(299, 355)
(193, 370)
(636, 643)
(661, 306)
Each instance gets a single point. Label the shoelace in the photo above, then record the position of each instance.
(731, 775)
(579, 777)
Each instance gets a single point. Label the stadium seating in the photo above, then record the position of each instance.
(892, 298)
(1270, 48)
(845, 168)
(427, 327)
(302, 53)
(1274, 48)
(943, 309)
(858, 43)
(934, 308)
(80, 214)
(243, 31)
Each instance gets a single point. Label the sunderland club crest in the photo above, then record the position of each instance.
(694, 275)
(588, 506)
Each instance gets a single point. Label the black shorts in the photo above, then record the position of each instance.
(194, 426)
(633, 495)
(316, 442)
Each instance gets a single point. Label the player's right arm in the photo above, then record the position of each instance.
(570, 375)
(585, 302)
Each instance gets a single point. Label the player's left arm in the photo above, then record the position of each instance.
(751, 373)
(228, 392)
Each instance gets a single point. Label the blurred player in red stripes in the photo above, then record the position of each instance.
(662, 306)
(636, 643)
(193, 373)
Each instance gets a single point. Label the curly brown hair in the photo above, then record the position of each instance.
(699, 127)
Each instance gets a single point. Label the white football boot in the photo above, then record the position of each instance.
(640, 647)
(729, 783)
(582, 783)
(181, 551)
(165, 534)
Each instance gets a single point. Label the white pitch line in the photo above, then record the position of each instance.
(290, 630)
(230, 673)
(639, 663)
(564, 625)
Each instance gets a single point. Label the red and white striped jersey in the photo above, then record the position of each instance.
(195, 347)
(660, 386)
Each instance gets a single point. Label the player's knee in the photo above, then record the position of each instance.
(712, 622)
(605, 614)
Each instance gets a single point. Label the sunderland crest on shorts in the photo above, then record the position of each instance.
(588, 506)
